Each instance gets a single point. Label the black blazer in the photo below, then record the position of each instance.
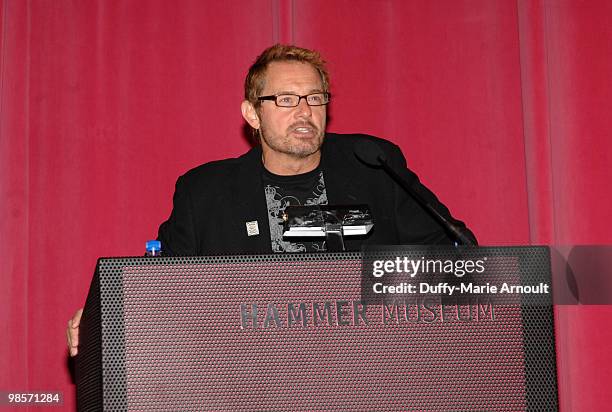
(214, 201)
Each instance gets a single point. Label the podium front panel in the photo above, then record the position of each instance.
(291, 332)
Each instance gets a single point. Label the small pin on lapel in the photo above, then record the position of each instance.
(252, 228)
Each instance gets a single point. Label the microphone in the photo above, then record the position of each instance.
(372, 155)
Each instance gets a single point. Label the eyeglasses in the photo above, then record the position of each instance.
(293, 100)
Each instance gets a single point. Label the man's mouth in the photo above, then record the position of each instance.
(303, 129)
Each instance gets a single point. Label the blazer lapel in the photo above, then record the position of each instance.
(342, 185)
(250, 212)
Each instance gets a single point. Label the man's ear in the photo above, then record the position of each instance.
(250, 114)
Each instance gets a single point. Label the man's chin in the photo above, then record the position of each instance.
(302, 153)
(304, 149)
(297, 147)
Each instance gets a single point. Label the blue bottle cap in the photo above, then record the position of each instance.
(153, 245)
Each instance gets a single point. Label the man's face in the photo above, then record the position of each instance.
(294, 131)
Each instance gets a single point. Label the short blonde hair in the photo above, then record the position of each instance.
(256, 77)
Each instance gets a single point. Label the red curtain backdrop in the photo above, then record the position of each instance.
(501, 106)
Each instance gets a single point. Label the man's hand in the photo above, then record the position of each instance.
(72, 332)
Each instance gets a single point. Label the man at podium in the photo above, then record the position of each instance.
(235, 206)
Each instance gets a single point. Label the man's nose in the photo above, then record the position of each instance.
(303, 109)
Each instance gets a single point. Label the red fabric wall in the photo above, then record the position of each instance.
(502, 107)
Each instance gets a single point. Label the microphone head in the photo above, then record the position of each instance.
(369, 153)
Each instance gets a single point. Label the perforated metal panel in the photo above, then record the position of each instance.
(181, 334)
